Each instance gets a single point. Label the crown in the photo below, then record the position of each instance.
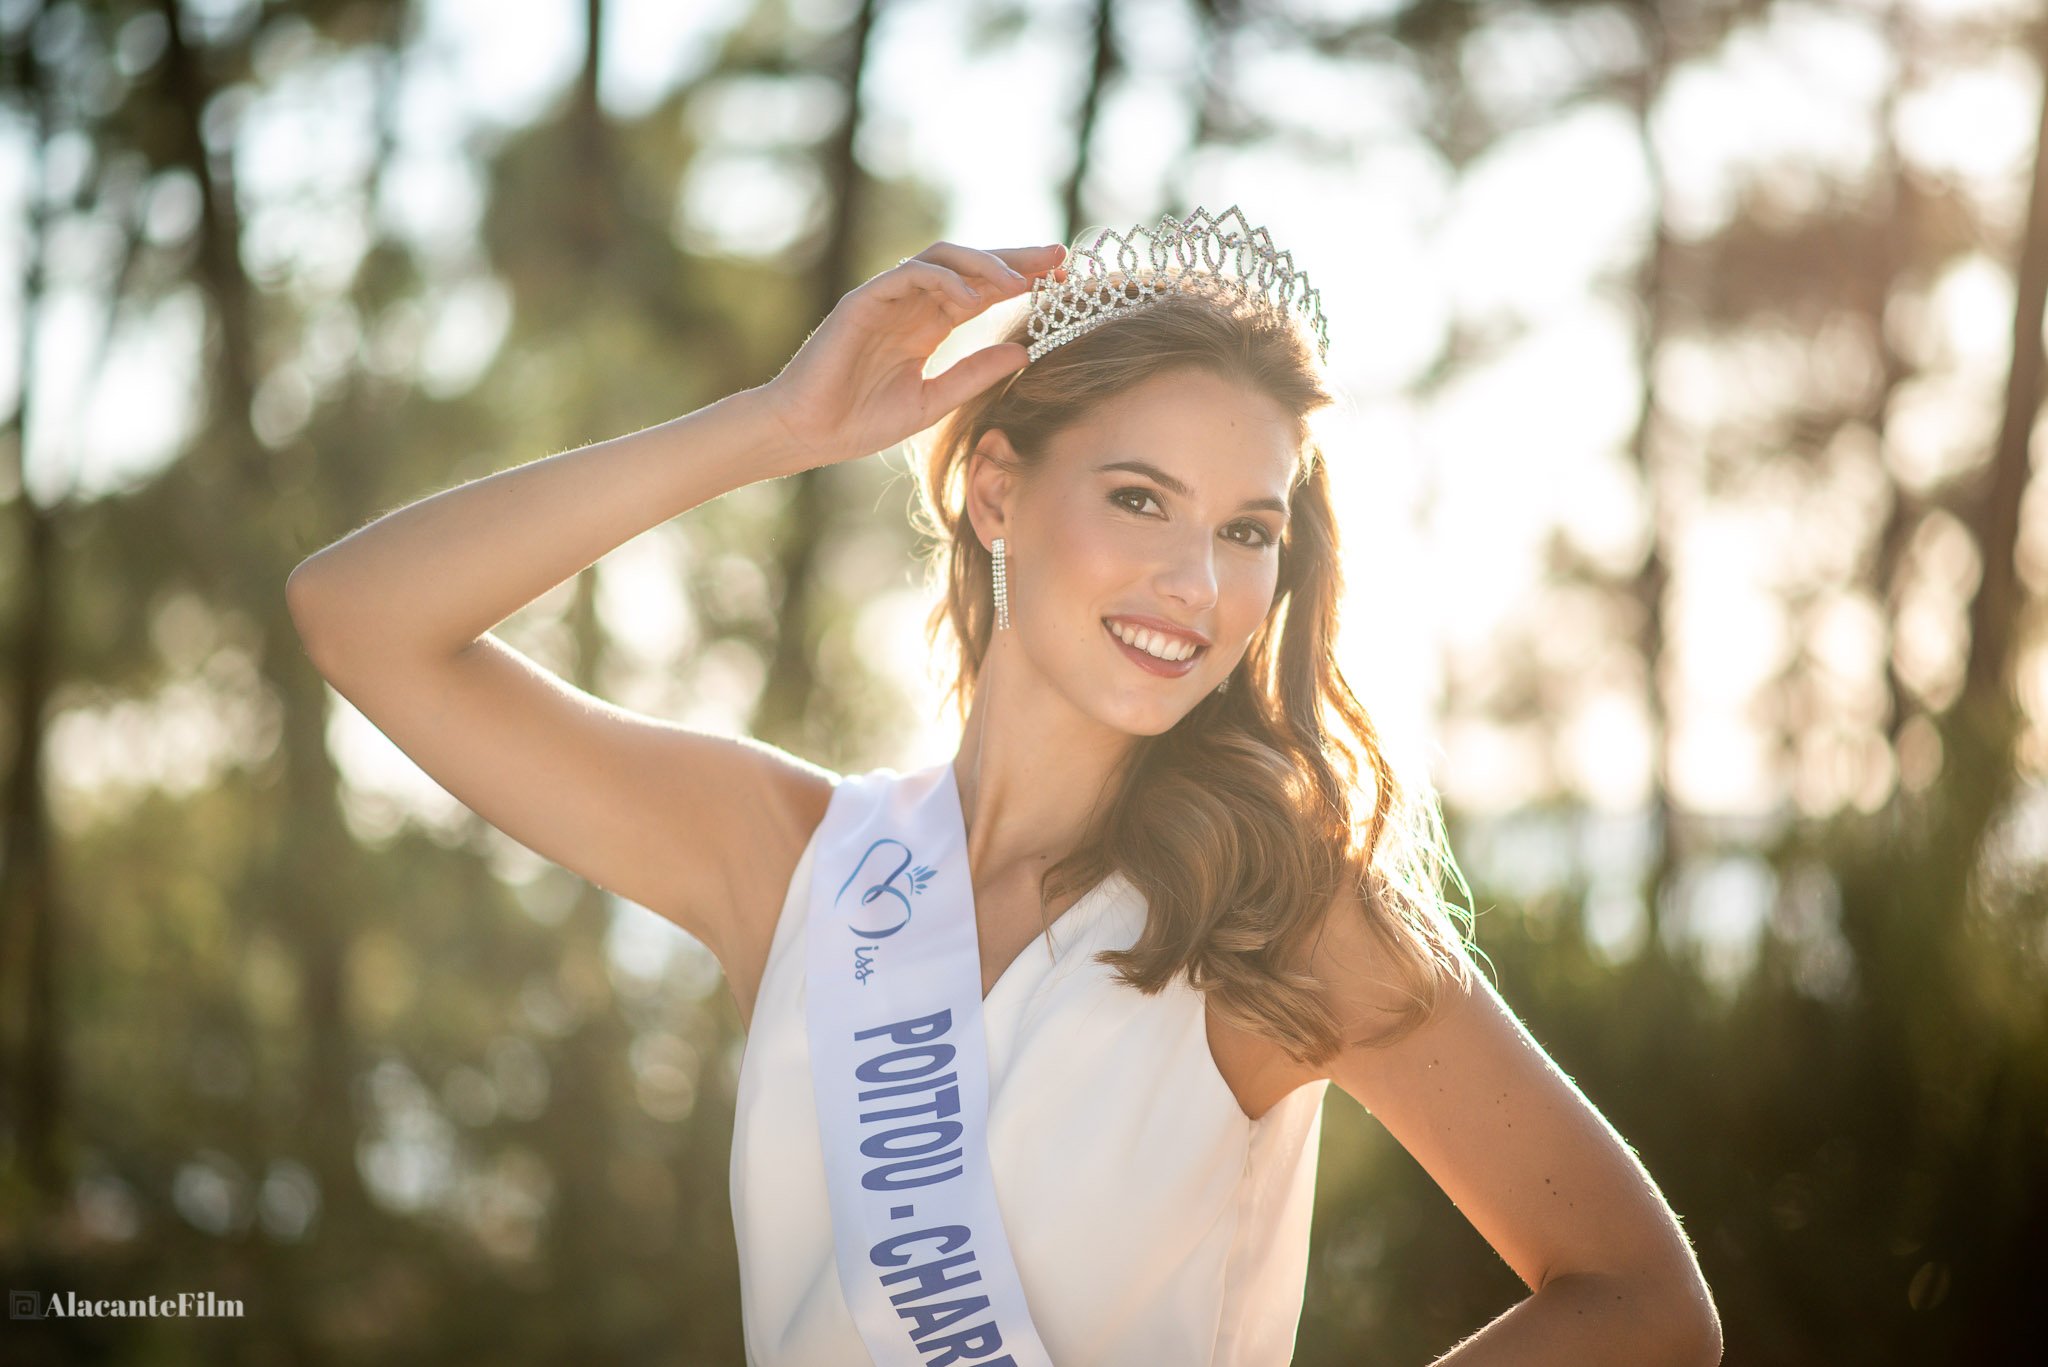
(1179, 252)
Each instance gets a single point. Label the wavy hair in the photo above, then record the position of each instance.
(1243, 821)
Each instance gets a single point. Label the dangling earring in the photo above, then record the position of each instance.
(1224, 685)
(1002, 588)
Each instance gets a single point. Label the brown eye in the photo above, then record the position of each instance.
(1265, 538)
(1261, 542)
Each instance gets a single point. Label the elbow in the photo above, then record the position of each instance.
(299, 592)
(1676, 1307)
(1670, 1317)
(1693, 1341)
(1710, 1345)
(1687, 1306)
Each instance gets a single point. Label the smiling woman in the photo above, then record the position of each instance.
(1156, 474)
(1238, 809)
(945, 1144)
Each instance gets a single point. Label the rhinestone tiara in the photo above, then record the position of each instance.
(1178, 251)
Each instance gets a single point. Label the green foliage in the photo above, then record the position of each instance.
(398, 1087)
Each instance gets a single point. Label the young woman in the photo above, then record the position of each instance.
(1038, 1038)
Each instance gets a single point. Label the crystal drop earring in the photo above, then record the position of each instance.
(1224, 685)
(1002, 587)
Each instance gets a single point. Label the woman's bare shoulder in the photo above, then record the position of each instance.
(798, 793)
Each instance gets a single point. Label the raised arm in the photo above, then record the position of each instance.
(397, 615)
(435, 575)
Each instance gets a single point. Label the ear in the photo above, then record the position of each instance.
(993, 470)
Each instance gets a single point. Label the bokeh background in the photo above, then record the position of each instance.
(1692, 363)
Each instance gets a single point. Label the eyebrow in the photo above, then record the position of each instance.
(1151, 471)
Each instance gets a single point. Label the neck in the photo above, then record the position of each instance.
(1030, 769)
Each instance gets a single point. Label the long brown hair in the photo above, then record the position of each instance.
(1243, 821)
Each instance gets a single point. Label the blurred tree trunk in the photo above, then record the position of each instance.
(1983, 725)
(1648, 588)
(1892, 245)
(588, 1062)
(306, 904)
(31, 1072)
(780, 714)
(1103, 65)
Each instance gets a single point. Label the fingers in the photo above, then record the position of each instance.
(973, 373)
(1034, 260)
(988, 269)
(929, 275)
(1005, 268)
(971, 279)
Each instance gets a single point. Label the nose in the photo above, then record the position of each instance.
(1189, 577)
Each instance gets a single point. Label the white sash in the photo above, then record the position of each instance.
(900, 1068)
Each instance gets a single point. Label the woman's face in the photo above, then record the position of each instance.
(1180, 538)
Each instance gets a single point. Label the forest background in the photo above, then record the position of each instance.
(1692, 358)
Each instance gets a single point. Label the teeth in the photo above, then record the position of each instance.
(1154, 643)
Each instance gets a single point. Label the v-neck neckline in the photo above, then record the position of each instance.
(1096, 893)
(951, 779)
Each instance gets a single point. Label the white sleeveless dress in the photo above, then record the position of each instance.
(1150, 1220)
